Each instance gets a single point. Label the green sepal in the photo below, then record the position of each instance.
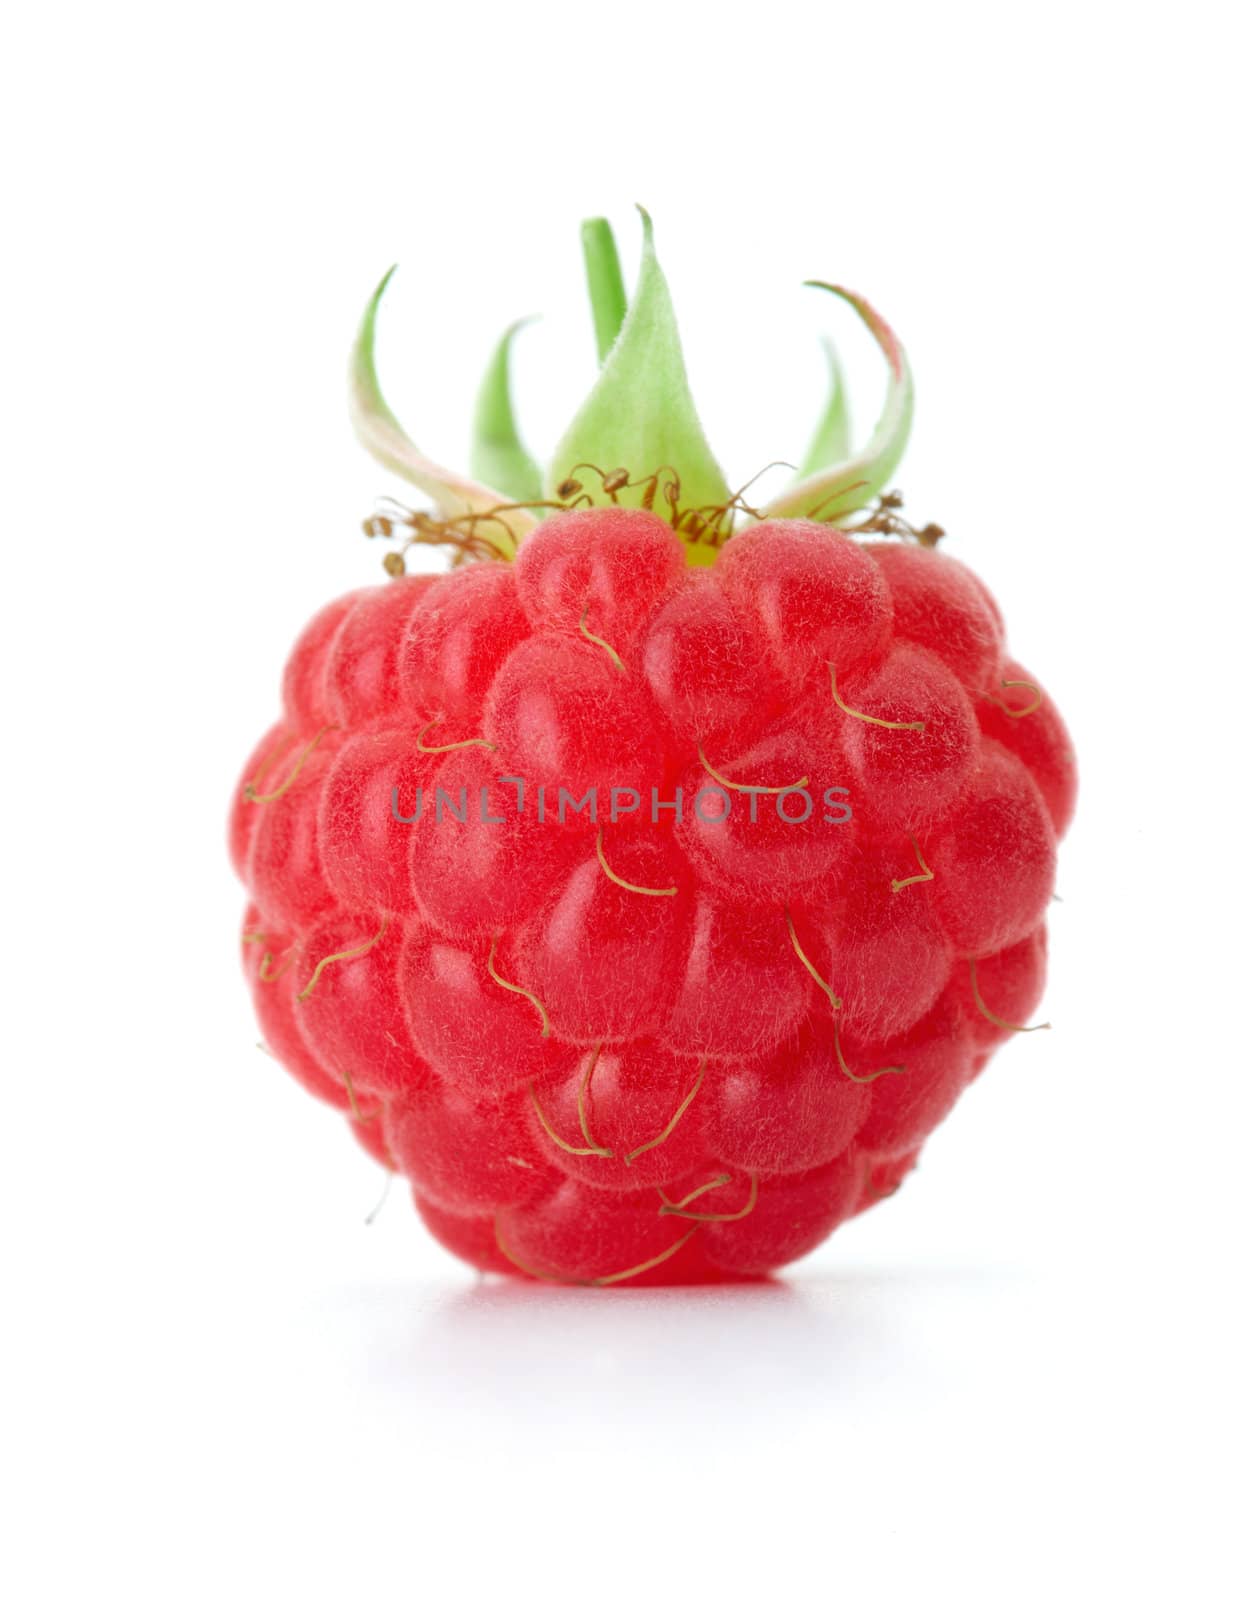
(605, 287)
(639, 415)
(833, 491)
(382, 436)
(499, 455)
(831, 440)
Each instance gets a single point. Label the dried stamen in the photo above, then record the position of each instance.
(591, 1283)
(357, 1113)
(871, 1188)
(713, 524)
(739, 497)
(570, 1149)
(748, 788)
(340, 955)
(668, 1209)
(673, 1120)
(381, 1199)
(854, 1077)
(704, 1188)
(584, 1084)
(596, 639)
(464, 533)
(804, 959)
(514, 988)
(1016, 683)
(842, 493)
(925, 876)
(863, 716)
(268, 973)
(622, 883)
(1011, 1027)
(441, 749)
(281, 749)
(250, 789)
(618, 478)
(884, 519)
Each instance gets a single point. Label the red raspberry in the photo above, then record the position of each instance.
(649, 913)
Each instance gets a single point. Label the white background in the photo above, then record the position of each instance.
(1011, 1380)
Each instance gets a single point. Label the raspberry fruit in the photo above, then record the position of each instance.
(647, 887)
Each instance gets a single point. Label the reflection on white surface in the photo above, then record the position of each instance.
(523, 1358)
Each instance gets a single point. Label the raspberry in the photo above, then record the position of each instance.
(647, 887)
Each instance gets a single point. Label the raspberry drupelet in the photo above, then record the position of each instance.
(646, 889)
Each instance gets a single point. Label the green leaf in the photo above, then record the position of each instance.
(499, 455)
(830, 442)
(382, 436)
(832, 491)
(639, 415)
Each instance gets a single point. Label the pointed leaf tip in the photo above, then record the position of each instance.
(639, 415)
(380, 432)
(499, 455)
(831, 440)
(834, 489)
(606, 290)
